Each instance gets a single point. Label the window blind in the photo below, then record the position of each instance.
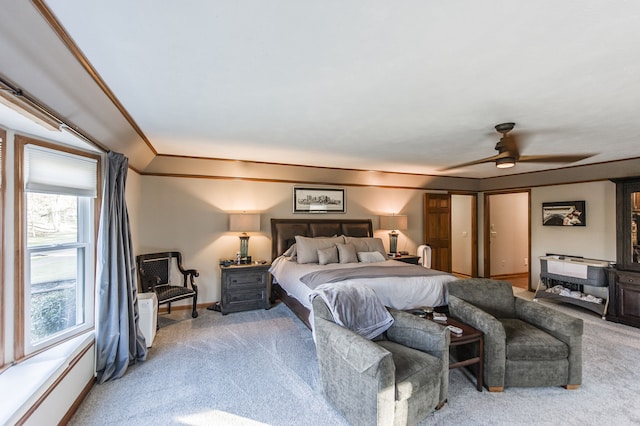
(58, 172)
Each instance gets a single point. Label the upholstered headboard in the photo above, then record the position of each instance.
(284, 231)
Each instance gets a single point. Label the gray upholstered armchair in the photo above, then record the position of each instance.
(525, 344)
(398, 379)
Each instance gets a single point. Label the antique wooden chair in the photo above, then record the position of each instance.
(154, 271)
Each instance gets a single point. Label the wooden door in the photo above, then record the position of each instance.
(437, 229)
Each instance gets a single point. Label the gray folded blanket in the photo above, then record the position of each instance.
(355, 307)
(335, 275)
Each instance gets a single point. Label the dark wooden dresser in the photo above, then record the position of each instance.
(624, 290)
(245, 287)
(624, 279)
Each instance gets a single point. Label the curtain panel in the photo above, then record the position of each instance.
(119, 341)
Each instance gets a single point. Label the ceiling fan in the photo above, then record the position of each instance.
(509, 154)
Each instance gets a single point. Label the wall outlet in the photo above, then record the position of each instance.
(526, 261)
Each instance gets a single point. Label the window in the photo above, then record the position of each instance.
(57, 198)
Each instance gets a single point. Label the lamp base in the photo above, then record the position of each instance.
(244, 245)
(393, 242)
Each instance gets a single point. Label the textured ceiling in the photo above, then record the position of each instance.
(409, 86)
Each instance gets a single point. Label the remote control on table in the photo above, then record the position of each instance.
(454, 329)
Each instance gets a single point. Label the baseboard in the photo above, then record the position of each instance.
(508, 276)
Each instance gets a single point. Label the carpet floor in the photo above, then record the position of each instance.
(259, 367)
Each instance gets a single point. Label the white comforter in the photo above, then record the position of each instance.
(396, 292)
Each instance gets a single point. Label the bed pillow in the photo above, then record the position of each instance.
(370, 257)
(347, 253)
(328, 255)
(307, 247)
(291, 253)
(367, 244)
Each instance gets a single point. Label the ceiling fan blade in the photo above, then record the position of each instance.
(473, 163)
(554, 158)
(510, 143)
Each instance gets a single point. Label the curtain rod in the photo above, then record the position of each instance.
(48, 116)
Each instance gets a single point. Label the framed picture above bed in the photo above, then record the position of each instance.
(318, 200)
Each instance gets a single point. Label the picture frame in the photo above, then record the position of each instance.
(318, 200)
(564, 213)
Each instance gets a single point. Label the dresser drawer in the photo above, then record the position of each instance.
(247, 279)
(633, 279)
(236, 297)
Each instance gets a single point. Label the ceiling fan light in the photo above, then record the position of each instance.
(505, 162)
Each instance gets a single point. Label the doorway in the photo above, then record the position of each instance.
(507, 231)
(450, 228)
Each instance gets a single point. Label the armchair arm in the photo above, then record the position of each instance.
(356, 370)
(494, 338)
(563, 327)
(556, 323)
(418, 333)
(191, 273)
(338, 345)
(423, 335)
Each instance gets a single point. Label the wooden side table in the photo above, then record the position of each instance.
(407, 258)
(469, 336)
(245, 287)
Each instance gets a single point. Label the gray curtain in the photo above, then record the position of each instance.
(119, 341)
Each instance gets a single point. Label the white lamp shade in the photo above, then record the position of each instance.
(244, 222)
(393, 222)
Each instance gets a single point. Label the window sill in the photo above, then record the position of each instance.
(22, 384)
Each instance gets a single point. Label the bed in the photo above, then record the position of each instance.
(399, 285)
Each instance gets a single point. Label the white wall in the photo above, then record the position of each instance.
(596, 240)
(461, 235)
(133, 190)
(191, 215)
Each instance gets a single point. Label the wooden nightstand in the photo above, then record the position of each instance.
(407, 258)
(245, 287)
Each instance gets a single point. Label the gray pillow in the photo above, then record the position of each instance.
(307, 247)
(367, 244)
(328, 255)
(347, 253)
(370, 257)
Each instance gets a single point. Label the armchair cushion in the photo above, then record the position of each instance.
(414, 370)
(529, 343)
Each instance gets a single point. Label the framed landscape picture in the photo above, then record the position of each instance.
(318, 200)
(564, 213)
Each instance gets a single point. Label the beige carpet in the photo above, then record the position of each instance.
(259, 367)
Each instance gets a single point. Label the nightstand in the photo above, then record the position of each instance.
(245, 287)
(407, 258)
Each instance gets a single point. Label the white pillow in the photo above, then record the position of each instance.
(328, 255)
(370, 256)
(307, 247)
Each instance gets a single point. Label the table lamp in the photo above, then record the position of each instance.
(244, 222)
(393, 222)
